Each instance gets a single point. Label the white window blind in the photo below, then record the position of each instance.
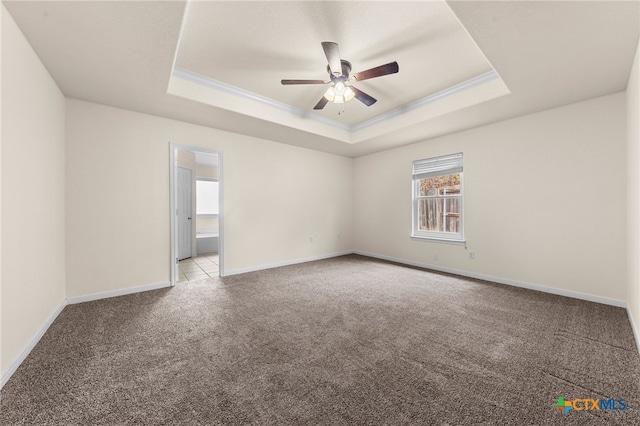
(437, 166)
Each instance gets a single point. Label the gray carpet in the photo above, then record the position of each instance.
(344, 341)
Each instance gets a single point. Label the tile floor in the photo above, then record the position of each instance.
(199, 267)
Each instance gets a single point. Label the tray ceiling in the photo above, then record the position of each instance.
(219, 64)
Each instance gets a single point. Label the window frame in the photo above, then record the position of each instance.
(433, 167)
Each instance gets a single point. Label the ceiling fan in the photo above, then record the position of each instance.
(339, 75)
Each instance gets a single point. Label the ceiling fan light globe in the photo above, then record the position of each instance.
(349, 94)
(330, 94)
(339, 86)
(339, 99)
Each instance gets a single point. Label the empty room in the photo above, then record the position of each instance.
(320, 212)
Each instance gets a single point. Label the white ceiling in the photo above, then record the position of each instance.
(255, 56)
(219, 64)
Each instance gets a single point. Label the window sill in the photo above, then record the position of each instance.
(439, 240)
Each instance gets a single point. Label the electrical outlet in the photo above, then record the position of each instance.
(311, 239)
(435, 256)
(472, 255)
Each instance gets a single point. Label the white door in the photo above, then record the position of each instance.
(185, 230)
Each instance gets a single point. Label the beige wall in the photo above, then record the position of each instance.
(203, 171)
(544, 200)
(276, 196)
(187, 159)
(206, 223)
(32, 194)
(633, 194)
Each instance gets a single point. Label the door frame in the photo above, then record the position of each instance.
(173, 193)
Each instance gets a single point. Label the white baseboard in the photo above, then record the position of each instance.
(636, 333)
(500, 280)
(115, 293)
(285, 263)
(6, 375)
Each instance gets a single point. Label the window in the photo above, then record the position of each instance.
(437, 198)
(206, 197)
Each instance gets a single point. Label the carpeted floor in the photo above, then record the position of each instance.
(344, 341)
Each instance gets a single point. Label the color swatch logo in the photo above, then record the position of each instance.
(588, 404)
(563, 405)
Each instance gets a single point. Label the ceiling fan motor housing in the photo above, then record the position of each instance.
(346, 69)
(340, 74)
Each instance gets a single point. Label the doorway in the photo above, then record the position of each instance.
(197, 231)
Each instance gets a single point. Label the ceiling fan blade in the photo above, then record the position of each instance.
(390, 68)
(363, 97)
(321, 103)
(285, 82)
(332, 53)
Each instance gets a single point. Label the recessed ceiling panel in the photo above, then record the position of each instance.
(252, 46)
